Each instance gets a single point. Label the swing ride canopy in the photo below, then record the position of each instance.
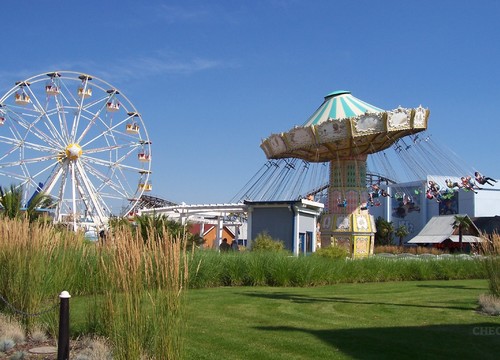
(345, 126)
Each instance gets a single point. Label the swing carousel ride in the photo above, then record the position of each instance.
(79, 141)
(343, 131)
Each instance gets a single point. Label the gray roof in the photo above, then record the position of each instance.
(440, 228)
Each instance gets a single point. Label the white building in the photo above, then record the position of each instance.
(409, 206)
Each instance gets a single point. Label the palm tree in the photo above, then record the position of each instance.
(401, 232)
(390, 231)
(160, 224)
(385, 229)
(37, 202)
(12, 203)
(461, 223)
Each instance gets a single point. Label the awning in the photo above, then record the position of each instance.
(440, 228)
(433, 239)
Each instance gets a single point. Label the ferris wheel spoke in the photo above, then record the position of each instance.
(27, 145)
(112, 164)
(60, 112)
(53, 130)
(23, 181)
(45, 119)
(111, 147)
(92, 119)
(85, 84)
(73, 194)
(107, 181)
(43, 116)
(26, 161)
(94, 196)
(53, 178)
(55, 170)
(71, 100)
(95, 116)
(89, 126)
(61, 173)
(84, 108)
(31, 128)
(27, 126)
(110, 131)
(38, 147)
(14, 176)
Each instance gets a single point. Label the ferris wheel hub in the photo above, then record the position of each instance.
(73, 151)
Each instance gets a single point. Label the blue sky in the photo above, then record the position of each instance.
(213, 78)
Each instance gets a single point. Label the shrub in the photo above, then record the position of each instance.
(332, 252)
(94, 348)
(416, 250)
(11, 329)
(489, 304)
(19, 355)
(38, 335)
(6, 344)
(264, 242)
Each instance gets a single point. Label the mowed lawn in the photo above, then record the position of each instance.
(394, 320)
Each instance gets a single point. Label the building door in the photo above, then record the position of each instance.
(302, 243)
(309, 242)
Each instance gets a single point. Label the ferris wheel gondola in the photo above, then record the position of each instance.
(57, 138)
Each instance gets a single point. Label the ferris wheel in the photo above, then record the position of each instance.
(78, 140)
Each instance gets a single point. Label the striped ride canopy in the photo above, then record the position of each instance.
(340, 105)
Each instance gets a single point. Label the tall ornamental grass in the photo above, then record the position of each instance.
(37, 263)
(134, 287)
(491, 248)
(271, 268)
(140, 308)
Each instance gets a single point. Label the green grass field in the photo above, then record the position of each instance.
(391, 320)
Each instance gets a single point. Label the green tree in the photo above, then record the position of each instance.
(37, 202)
(385, 230)
(401, 233)
(159, 225)
(462, 223)
(11, 201)
(150, 225)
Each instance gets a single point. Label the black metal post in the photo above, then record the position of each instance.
(63, 341)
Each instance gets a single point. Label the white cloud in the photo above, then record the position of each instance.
(121, 70)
